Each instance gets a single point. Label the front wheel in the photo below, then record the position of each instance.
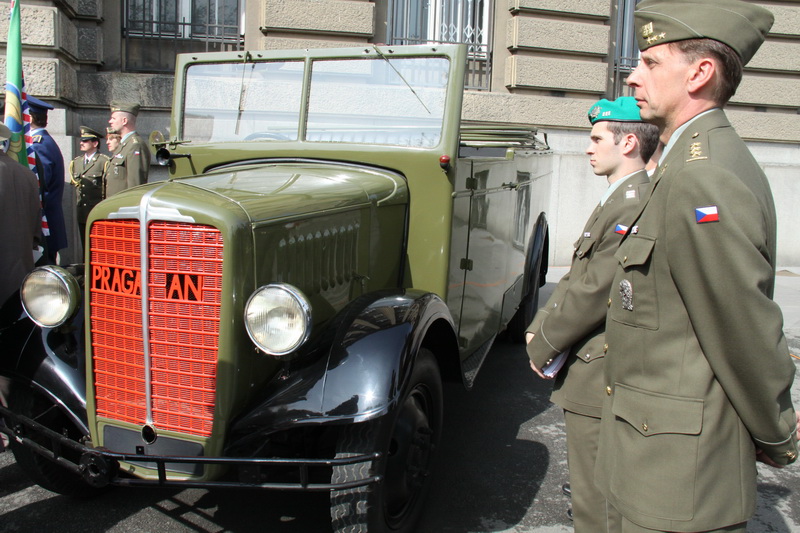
(42, 471)
(408, 438)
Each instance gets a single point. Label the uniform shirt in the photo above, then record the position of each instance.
(87, 177)
(52, 163)
(573, 318)
(129, 165)
(698, 372)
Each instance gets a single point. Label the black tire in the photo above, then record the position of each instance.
(41, 470)
(515, 331)
(408, 437)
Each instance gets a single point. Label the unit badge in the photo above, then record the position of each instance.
(626, 294)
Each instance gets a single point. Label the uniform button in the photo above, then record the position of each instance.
(625, 259)
(605, 348)
(587, 356)
(609, 302)
(644, 427)
(608, 391)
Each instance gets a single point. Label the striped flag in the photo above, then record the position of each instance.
(17, 117)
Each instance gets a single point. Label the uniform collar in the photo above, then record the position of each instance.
(678, 132)
(616, 185)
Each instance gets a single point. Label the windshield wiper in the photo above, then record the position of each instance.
(410, 88)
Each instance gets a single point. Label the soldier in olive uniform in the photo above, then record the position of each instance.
(87, 176)
(698, 373)
(573, 320)
(130, 164)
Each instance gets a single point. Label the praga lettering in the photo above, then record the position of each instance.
(119, 280)
(184, 287)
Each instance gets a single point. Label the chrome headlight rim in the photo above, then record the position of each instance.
(304, 308)
(69, 284)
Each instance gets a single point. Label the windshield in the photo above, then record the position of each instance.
(242, 101)
(389, 101)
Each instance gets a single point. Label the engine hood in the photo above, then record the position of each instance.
(283, 190)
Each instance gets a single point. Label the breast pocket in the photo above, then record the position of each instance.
(634, 300)
(583, 247)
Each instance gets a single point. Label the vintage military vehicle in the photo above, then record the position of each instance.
(332, 243)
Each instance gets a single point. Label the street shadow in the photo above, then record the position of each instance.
(488, 475)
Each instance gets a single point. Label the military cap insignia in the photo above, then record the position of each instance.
(696, 152)
(706, 214)
(626, 294)
(595, 112)
(647, 30)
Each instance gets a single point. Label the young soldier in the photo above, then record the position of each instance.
(573, 320)
(131, 162)
(698, 373)
(86, 172)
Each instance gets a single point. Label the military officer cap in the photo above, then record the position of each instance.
(88, 134)
(111, 131)
(37, 106)
(125, 107)
(740, 25)
(5, 133)
(623, 109)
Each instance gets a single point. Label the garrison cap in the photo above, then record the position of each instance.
(37, 106)
(111, 131)
(740, 25)
(5, 133)
(88, 134)
(125, 107)
(623, 109)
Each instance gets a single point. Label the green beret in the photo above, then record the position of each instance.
(740, 25)
(623, 109)
(88, 133)
(133, 109)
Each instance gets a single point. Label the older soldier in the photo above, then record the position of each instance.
(52, 182)
(130, 164)
(698, 372)
(573, 320)
(87, 176)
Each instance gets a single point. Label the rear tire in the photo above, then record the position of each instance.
(408, 438)
(41, 470)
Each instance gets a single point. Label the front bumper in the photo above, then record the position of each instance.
(100, 467)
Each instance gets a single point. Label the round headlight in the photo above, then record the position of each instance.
(278, 318)
(50, 296)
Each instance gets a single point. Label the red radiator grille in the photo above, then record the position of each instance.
(184, 284)
(185, 288)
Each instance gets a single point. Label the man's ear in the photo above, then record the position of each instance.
(629, 143)
(700, 75)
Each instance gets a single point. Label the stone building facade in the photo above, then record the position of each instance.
(535, 61)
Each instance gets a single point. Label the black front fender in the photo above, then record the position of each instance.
(362, 361)
(50, 361)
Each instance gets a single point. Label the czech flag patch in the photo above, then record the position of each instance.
(621, 229)
(706, 214)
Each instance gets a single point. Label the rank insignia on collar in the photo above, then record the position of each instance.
(630, 193)
(696, 152)
(620, 229)
(706, 214)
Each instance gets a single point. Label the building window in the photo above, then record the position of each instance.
(155, 30)
(626, 55)
(447, 21)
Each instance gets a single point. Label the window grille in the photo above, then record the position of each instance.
(626, 54)
(154, 31)
(447, 21)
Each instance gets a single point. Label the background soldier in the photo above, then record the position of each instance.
(698, 373)
(52, 180)
(130, 164)
(573, 320)
(86, 172)
(20, 218)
